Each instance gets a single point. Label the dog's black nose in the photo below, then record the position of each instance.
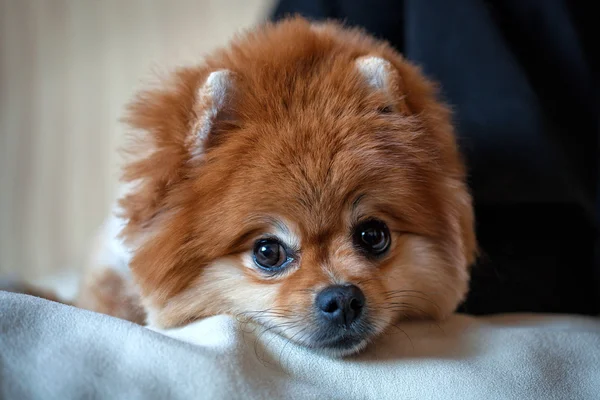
(339, 304)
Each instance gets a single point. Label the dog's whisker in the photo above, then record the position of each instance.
(410, 307)
(401, 295)
(364, 281)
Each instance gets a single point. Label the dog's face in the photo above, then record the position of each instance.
(314, 188)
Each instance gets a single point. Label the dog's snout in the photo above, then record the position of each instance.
(340, 304)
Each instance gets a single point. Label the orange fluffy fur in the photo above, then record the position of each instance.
(300, 140)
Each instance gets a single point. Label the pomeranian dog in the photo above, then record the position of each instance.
(306, 177)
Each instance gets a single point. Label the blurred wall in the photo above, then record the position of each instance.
(67, 67)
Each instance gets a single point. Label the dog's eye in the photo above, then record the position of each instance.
(269, 254)
(372, 236)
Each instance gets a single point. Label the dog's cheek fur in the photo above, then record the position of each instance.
(421, 283)
(224, 286)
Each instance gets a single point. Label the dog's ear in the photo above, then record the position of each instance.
(382, 76)
(173, 126)
(212, 111)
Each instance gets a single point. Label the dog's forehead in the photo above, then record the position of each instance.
(314, 208)
(310, 174)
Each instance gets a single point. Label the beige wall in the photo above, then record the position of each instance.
(66, 69)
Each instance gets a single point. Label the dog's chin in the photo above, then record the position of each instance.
(340, 342)
(341, 347)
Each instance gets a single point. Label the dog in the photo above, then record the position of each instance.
(305, 177)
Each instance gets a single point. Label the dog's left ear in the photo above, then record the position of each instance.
(381, 75)
(408, 93)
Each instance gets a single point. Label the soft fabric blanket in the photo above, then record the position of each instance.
(52, 351)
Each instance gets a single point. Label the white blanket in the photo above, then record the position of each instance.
(52, 351)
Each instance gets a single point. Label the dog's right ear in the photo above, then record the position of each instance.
(212, 109)
(173, 126)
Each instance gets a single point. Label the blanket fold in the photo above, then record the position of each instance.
(52, 351)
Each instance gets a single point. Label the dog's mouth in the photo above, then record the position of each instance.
(342, 346)
(343, 341)
(329, 339)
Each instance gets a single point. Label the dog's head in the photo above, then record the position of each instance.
(306, 178)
